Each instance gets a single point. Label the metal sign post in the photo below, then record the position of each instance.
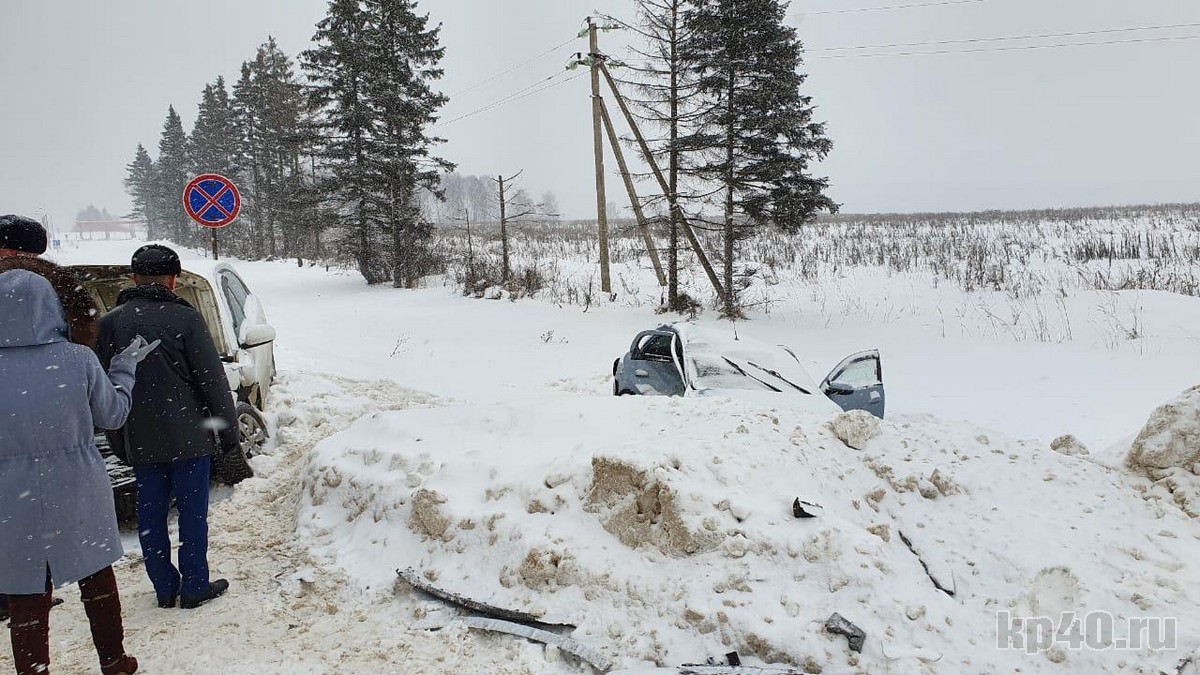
(213, 201)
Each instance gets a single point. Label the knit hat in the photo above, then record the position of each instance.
(22, 234)
(155, 260)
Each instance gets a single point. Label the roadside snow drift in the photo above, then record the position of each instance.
(1168, 450)
(664, 529)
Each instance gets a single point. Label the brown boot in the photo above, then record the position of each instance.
(29, 628)
(102, 603)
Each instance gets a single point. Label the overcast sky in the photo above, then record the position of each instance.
(84, 82)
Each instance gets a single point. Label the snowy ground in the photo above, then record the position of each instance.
(506, 468)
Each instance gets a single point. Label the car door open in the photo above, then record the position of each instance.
(857, 383)
(654, 367)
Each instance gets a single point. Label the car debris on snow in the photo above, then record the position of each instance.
(798, 510)
(418, 582)
(840, 625)
(573, 647)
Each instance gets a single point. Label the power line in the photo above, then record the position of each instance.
(502, 73)
(520, 94)
(1003, 39)
(887, 8)
(1008, 49)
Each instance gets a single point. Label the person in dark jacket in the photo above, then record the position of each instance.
(22, 240)
(182, 415)
(56, 506)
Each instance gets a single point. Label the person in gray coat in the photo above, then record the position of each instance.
(56, 505)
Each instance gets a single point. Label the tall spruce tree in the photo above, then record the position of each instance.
(371, 70)
(753, 133)
(268, 101)
(139, 185)
(337, 68)
(173, 171)
(407, 54)
(216, 142)
(665, 100)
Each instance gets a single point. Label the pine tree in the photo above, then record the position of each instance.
(753, 134)
(268, 101)
(337, 67)
(406, 54)
(247, 101)
(665, 101)
(139, 185)
(173, 171)
(216, 142)
(371, 69)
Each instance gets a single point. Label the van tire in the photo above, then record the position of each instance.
(234, 467)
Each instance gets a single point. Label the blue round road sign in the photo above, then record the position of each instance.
(212, 200)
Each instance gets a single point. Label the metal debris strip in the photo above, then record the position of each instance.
(951, 590)
(418, 581)
(840, 625)
(577, 649)
(736, 670)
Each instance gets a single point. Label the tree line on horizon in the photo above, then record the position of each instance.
(336, 151)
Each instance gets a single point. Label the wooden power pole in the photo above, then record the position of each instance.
(688, 232)
(598, 142)
(636, 203)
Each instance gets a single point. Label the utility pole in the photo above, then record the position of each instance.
(676, 209)
(506, 271)
(470, 246)
(598, 142)
(636, 203)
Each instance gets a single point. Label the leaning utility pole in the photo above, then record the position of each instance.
(634, 201)
(676, 209)
(598, 142)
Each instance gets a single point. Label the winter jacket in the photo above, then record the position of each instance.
(183, 399)
(82, 314)
(56, 503)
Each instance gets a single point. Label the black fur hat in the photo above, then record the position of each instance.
(22, 234)
(155, 260)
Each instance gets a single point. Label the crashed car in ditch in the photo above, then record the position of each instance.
(243, 338)
(683, 359)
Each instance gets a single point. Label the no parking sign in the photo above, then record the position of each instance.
(212, 200)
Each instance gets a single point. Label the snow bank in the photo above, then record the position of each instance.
(1168, 451)
(1171, 437)
(663, 529)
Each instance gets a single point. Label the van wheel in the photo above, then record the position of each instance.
(235, 467)
(252, 428)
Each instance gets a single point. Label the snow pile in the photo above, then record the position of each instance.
(1168, 450)
(663, 529)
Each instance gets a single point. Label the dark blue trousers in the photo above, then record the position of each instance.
(186, 481)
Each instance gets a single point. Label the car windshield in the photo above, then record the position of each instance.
(717, 360)
(718, 372)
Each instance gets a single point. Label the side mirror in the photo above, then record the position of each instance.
(257, 336)
(839, 389)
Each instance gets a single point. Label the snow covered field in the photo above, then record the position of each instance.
(478, 441)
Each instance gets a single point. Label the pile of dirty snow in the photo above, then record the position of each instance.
(1168, 451)
(664, 530)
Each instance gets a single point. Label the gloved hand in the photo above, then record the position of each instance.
(139, 348)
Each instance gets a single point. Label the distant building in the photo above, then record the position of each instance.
(109, 229)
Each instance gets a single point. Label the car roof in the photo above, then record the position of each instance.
(756, 357)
